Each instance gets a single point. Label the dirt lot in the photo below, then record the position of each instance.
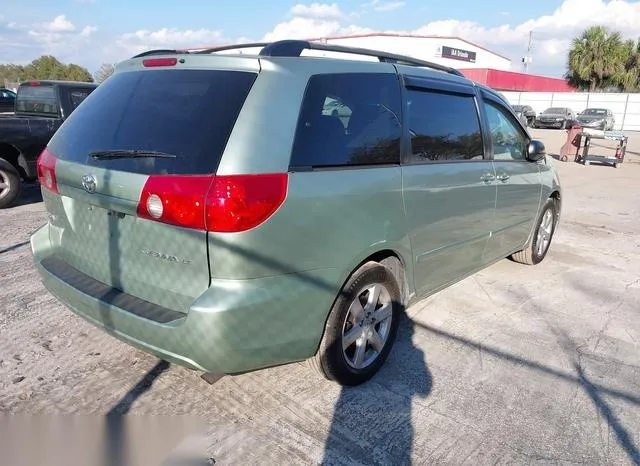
(513, 365)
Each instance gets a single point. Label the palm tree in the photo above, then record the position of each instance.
(629, 77)
(595, 57)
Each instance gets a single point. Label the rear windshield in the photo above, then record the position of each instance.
(186, 113)
(37, 99)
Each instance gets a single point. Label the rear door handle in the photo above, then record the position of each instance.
(503, 177)
(487, 177)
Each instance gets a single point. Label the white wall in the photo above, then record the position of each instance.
(625, 107)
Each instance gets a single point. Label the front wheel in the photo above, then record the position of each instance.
(10, 184)
(361, 327)
(537, 248)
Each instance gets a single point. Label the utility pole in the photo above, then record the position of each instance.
(527, 59)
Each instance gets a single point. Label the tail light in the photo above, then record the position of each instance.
(221, 203)
(47, 171)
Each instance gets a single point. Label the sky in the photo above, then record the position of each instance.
(92, 32)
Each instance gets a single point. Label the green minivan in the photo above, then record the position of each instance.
(229, 212)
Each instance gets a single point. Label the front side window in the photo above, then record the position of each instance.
(509, 143)
(443, 127)
(349, 119)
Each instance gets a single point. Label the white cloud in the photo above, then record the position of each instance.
(88, 30)
(141, 40)
(379, 5)
(317, 10)
(59, 24)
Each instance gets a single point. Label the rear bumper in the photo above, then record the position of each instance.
(235, 326)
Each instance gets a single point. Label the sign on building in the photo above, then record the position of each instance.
(458, 54)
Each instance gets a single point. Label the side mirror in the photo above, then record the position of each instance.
(536, 151)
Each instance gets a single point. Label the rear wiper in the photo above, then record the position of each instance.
(123, 154)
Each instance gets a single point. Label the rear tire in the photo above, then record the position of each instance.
(537, 249)
(10, 184)
(361, 328)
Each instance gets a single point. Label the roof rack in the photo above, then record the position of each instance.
(294, 48)
(222, 48)
(158, 52)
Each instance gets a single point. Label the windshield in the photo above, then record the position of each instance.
(518, 108)
(595, 112)
(186, 113)
(555, 110)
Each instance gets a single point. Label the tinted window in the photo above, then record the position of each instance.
(509, 143)
(77, 96)
(443, 126)
(187, 113)
(349, 119)
(37, 99)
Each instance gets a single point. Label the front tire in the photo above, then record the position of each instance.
(10, 184)
(537, 249)
(361, 328)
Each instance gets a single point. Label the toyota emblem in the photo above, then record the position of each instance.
(89, 183)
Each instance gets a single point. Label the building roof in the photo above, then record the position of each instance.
(416, 36)
(380, 34)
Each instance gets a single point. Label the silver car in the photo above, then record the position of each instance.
(599, 118)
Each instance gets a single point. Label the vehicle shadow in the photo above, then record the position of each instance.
(31, 194)
(13, 247)
(372, 423)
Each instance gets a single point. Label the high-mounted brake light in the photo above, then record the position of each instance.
(34, 83)
(150, 62)
(47, 171)
(226, 204)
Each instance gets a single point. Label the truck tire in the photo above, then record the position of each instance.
(10, 184)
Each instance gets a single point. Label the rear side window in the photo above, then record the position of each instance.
(349, 119)
(37, 99)
(77, 96)
(443, 127)
(186, 113)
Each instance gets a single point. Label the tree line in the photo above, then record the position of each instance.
(599, 60)
(49, 67)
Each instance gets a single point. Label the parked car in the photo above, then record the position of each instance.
(555, 117)
(600, 118)
(228, 241)
(7, 100)
(40, 108)
(525, 113)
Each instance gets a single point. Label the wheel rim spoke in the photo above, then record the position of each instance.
(376, 341)
(361, 348)
(356, 311)
(352, 336)
(383, 313)
(373, 298)
(3, 185)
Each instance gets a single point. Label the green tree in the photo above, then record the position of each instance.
(628, 78)
(595, 57)
(104, 72)
(45, 67)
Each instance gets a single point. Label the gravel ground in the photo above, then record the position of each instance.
(513, 365)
